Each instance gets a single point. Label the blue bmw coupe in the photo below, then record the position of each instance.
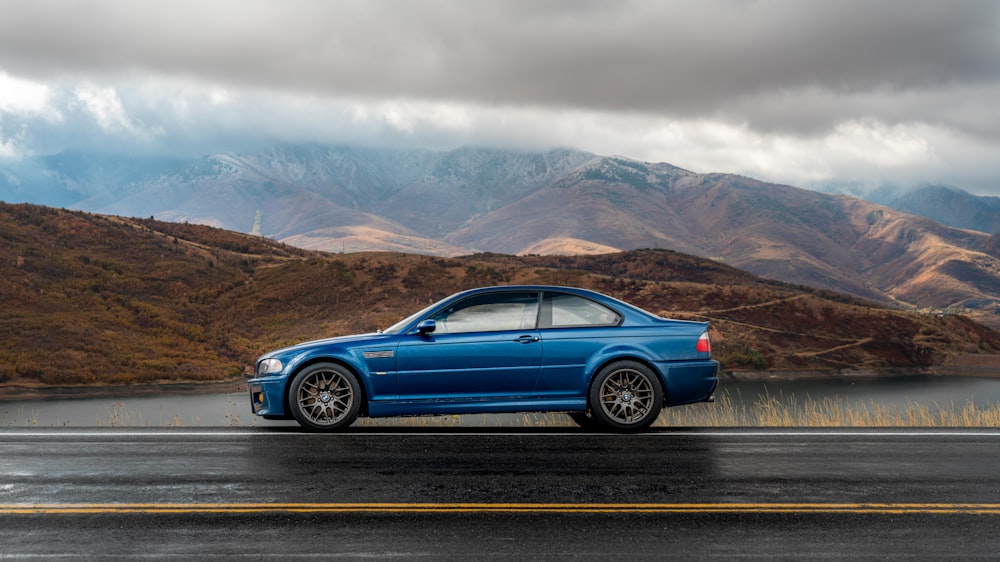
(609, 364)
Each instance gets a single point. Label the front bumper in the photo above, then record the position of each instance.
(267, 397)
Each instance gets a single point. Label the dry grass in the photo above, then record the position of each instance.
(781, 411)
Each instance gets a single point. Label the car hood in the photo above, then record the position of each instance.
(341, 341)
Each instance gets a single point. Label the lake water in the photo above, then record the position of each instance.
(222, 409)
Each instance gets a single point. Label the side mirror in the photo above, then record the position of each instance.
(426, 327)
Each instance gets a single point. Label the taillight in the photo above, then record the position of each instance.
(704, 344)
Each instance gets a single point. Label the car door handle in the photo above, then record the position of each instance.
(527, 339)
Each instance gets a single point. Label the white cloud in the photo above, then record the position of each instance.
(184, 116)
(220, 96)
(21, 96)
(104, 106)
(9, 145)
(21, 101)
(880, 145)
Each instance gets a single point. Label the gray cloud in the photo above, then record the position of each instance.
(677, 57)
(788, 68)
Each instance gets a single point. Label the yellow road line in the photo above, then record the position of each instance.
(236, 508)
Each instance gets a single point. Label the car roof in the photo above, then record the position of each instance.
(594, 295)
(499, 288)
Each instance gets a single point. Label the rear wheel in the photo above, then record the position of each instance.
(625, 396)
(325, 397)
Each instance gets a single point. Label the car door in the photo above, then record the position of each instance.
(485, 347)
(575, 330)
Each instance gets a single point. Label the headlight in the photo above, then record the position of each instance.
(269, 366)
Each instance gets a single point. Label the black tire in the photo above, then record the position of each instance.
(325, 397)
(625, 396)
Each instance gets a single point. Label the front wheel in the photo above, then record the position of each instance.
(325, 397)
(625, 396)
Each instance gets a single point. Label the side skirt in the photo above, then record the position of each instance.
(388, 408)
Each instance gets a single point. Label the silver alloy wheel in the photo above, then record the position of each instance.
(325, 397)
(627, 396)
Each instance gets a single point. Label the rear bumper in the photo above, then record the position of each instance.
(688, 382)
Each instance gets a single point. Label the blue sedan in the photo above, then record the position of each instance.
(607, 363)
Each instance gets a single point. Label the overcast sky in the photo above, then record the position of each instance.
(804, 92)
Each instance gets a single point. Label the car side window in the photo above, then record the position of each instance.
(561, 310)
(489, 313)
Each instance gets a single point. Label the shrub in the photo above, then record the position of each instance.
(746, 359)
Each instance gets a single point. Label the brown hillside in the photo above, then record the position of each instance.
(93, 300)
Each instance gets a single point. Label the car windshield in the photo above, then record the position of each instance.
(402, 324)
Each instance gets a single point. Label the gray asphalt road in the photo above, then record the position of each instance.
(468, 495)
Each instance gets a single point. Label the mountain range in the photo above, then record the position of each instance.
(468, 200)
(946, 205)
